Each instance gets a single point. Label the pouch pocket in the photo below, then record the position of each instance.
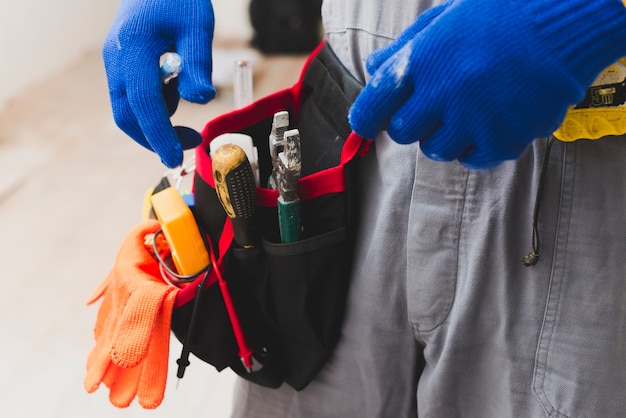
(307, 283)
(213, 340)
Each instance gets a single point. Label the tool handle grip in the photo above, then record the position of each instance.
(244, 232)
(289, 221)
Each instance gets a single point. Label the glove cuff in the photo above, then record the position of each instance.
(596, 33)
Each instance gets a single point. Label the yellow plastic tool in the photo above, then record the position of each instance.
(146, 212)
(603, 110)
(181, 232)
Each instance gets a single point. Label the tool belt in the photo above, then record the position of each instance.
(273, 313)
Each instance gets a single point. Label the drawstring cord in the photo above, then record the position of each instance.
(533, 256)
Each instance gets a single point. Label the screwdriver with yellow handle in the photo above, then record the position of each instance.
(602, 112)
(236, 190)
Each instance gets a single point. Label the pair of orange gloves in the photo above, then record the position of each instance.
(132, 329)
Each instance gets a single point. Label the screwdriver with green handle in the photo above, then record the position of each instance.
(289, 170)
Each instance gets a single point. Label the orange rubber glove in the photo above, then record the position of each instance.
(132, 329)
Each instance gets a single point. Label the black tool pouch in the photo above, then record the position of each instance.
(287, 298)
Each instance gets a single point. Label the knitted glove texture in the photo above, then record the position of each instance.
(142, 31)
(132, 330)
(478, 80)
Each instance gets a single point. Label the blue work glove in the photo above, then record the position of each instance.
(478, 80)
(142, 31)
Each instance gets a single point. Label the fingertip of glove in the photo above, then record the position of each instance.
(151, 403)
(125, 361)
(200, 96)
(90, 387)
(362, 132)
(360, 124)
(373, 62)
(437, 149)
(186, 138)
(400, 134)
(172, 159)
(120, 403)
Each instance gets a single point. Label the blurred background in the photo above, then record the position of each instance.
(71, 187)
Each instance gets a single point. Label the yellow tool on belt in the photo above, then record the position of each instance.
(603, 110)
(181, 232)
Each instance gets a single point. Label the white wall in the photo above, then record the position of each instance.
(231, 19)
(41, 37)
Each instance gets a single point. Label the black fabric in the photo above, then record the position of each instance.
(285, 26)
(290, 297)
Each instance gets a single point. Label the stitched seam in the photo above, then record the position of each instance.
(453, 283)
(348, 28)
(549, 322)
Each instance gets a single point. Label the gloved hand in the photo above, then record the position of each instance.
(478, 80)
(132, 329)
(142, 31)
(146, 380)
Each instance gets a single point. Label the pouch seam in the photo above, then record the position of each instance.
(307, 245)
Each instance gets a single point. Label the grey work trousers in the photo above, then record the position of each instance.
(443, 319)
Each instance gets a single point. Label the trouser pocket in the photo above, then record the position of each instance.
(580, 366)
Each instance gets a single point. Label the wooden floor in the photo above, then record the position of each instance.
(71, 186)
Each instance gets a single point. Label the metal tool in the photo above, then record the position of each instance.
(170, 66)
(234, 183)
(242, 86)
(180, 178)
(289, 169)
(280, 124)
